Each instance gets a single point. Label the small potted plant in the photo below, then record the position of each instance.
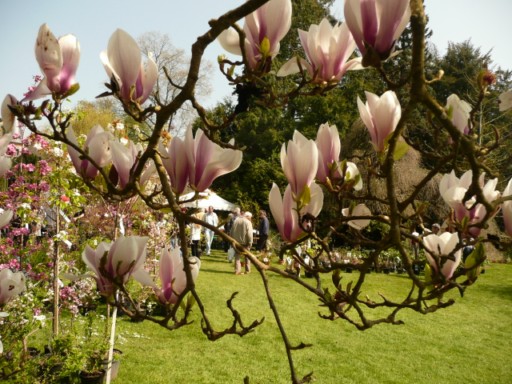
(94, 347)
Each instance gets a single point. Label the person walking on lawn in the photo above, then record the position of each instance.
(242, 232)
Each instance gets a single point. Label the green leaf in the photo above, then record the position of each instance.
(400, 150)
(305, 197)
(428, 274)
(474, 261)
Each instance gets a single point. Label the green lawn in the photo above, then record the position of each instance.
(469, 342)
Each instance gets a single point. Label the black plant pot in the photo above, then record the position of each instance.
(92, 377)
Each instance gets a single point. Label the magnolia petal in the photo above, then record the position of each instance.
(149, 78)
(177, 164)
(127, 255)
(70, 49)
(229, 39)
(143, 277)
(328, 144)
(448, 242)
(317, 201)
(353, 18)
(507, 209)
(292, 67)
(358, 210)
(8, 118)
(392, 16)
(124, 60)
(450, 266)
(122, 160)
(49, 56)
(40, 91)
(275, 201)
(5, 217)
(433, 244)
(351, 173)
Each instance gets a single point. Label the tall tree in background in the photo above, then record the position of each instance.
(173, 65)
(88, 114)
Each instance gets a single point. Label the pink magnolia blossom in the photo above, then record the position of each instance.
(11, 285)
(116, 262)
(122, 59)
(175, 160)
(453, 191)
(328, 144)
(327, 50)
(377, 23)
(58, 59)
(381, 116)
(172, 275)
(123, 160)
(329, 166)
(300, 163)
(208, 160)
(264, 29)
(197, 161)
(439, 247)
(459, 112)
(97, 145)
(284, 210)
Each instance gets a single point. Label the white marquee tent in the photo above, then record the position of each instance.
(206, 199)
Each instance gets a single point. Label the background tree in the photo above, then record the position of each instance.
(90, 113)
(173, 68)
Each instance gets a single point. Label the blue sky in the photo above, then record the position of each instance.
(486, 23)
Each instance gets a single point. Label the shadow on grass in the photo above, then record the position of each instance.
(217, 271)
(501, 291)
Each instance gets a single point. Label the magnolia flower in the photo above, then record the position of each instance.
(5, 218)
(381, 116)
(459, 111)
(176, 164)
(122, 59)
(208, 160)
(172, 275)
(11, 285)
(505, 100)
(264, 29)
(124, 160)
(197, 161)
(327, 49)
(507, 209)
(8, 118)
(5, 161)
(329, 146)
(116, 262)
(300, 163)
(453, 191)
(284, 210)
(97, 146)
(58, 59)
(377, 23)
(358, 210)
(440, 248)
